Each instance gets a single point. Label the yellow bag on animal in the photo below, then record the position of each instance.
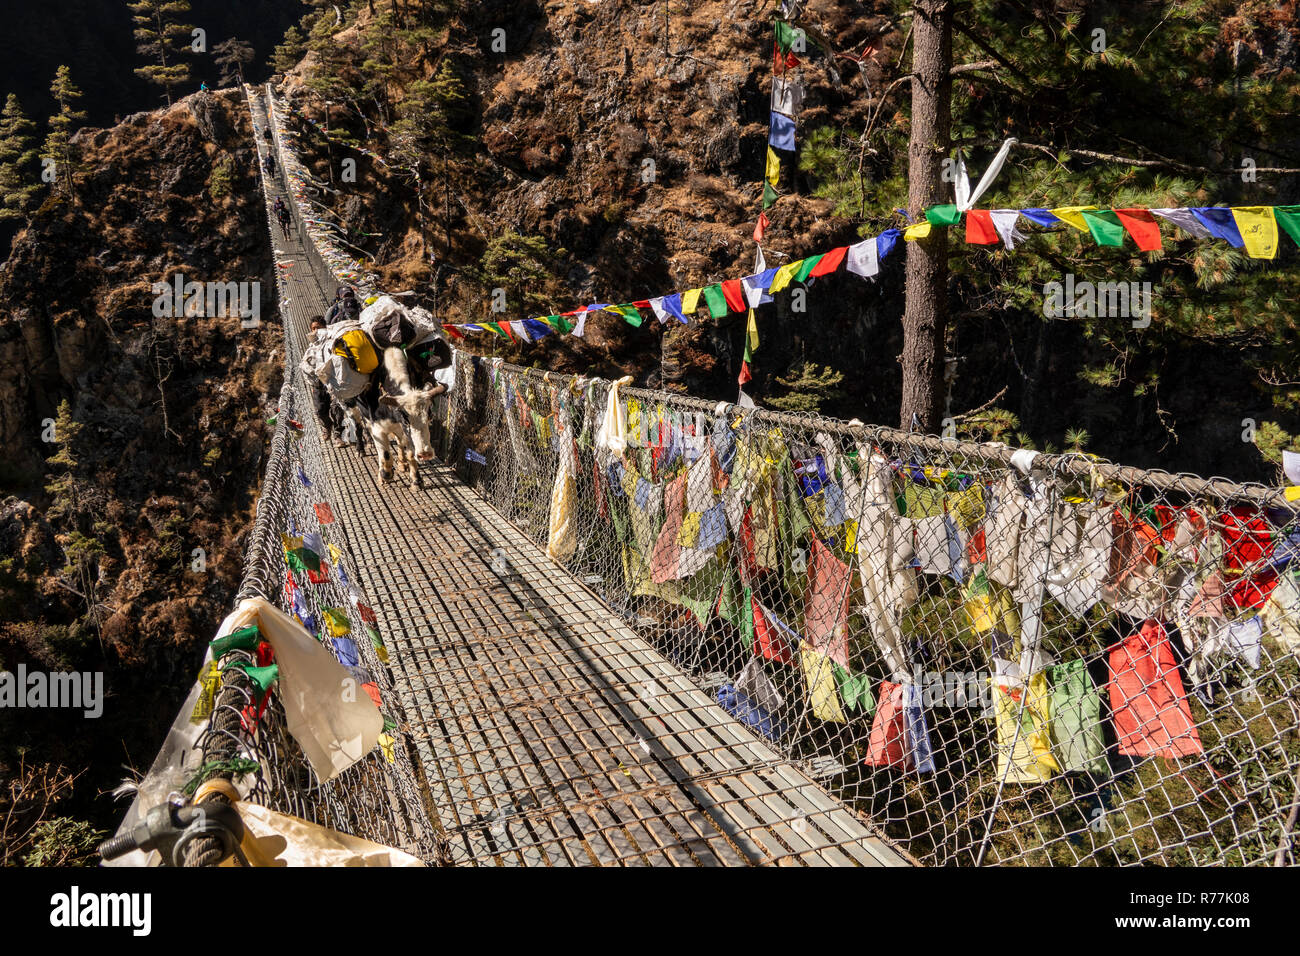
(356, 347)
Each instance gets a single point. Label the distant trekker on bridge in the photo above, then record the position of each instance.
(282, 214)
(346, 308)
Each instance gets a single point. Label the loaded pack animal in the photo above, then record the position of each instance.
(380, 376)
(395, 412)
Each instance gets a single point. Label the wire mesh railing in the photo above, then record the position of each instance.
(1000, 657)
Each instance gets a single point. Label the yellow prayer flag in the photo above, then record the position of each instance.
(784, 275)
(1073, 215)
(823, 691)
(690, 300)
(917, 231)
(752, 332)
(388, 747)
(1292, 493)
(773, 172)
(1258, 228)
(335, 554)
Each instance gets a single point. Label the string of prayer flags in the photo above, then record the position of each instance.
(1255, 229)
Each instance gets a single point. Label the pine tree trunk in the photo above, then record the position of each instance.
(926, 316)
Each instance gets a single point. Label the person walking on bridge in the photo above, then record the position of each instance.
(282, 214)
(329, 415)
(346, 308)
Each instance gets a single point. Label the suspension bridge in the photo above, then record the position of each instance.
(1128, 638)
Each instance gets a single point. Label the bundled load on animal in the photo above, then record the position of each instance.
(342, 356)
(414, 331)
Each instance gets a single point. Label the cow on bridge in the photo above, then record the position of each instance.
(396, 413)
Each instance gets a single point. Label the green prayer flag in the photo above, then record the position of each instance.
(560, 324)
(855, 689)
(770, 196)
(716, 300)
(808, 266)
(1288, 217)
(1076, 719)
(1105, 226)
(263, 677)
(785, 35)
(736, 608)
(244, 639)
(629, 312)
(945, 215)
(303, 559)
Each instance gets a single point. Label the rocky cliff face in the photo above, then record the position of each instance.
(164, 419)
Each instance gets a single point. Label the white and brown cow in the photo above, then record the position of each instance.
(396, 414)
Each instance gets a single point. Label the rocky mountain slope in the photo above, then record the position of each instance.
(158, 450)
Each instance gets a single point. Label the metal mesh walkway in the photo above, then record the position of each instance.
(551, 734)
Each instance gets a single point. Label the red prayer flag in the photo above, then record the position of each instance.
(790, 60)
(367, 613)
(885, 745)
(768, 641)
(829, 262)
(1147, 699)
(979, 228)
(1142, 226)
(642, 303)
(734, 293)
(454, 332)
(745, 375)
(324, 513)
(827, 610)
(761, 227)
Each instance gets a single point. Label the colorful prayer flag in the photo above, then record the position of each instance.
(1142, 226)
(1105, 226)
(1258, 228)
(716, 300)
(980, 229)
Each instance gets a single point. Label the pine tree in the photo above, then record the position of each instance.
(63, 483)
(289, 52)
(58, 146)
(157, 31)
(17, 154)
(810, 388)
(232, 56)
